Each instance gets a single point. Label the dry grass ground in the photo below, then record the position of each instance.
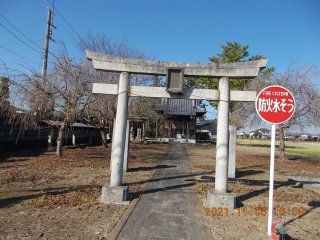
(302, 148)
(251, 187)
(42, 197)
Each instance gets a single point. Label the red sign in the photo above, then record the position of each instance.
(275, 104)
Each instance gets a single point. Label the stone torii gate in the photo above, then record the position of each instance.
(175, 72)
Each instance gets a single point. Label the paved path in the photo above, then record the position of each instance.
(168, 207)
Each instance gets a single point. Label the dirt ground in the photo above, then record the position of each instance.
(297, 208)
(42, 197)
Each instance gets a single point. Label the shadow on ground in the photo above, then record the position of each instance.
(7, 202)
(313, 204)
(150, 168)
(264, 146)
(23, 155)
(240, 174)
(192, 180)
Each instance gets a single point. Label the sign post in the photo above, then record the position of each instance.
(275, 105)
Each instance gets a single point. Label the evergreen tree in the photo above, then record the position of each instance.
(232, 53)
(158, 81)
(4, 93)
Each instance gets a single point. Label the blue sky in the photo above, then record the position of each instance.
(182, 31)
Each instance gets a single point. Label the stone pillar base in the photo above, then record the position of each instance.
(221, 200)
(118, 194)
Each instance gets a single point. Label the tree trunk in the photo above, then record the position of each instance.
(282, 145)
(143, 132)
(90, 137)
(156, 128)
(60, 139)
(103, 137)
(135, 133)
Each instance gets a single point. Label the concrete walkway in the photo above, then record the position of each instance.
(168, 208)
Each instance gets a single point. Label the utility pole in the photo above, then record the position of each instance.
(45, 65)
(46, 49)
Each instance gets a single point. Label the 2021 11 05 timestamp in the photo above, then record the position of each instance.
(256, 212)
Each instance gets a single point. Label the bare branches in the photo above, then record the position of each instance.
(101, 43)
(65, 93)
(303, 81)
(101, 107)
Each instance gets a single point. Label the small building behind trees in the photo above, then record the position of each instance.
(12, 136)
(207, 126)
(179, 119)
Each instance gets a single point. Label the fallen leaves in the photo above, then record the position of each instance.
(70, 197)
(36, 166)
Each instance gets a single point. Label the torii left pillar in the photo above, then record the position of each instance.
(115, 192)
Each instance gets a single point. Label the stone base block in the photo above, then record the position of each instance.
(221, 200)
(118, 194)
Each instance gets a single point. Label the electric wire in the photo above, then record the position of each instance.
(26, 43)
(20, 39)
(55, 9)
(10, 45)
(20, 31)
(23, 41)
(18, 55)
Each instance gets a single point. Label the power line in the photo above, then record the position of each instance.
(30, 39)
(20, 39)
(19, 31)
(24, 36)
(18, 55)
(24, 44)
(55, 9)
(10, 45)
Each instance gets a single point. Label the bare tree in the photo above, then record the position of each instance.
(65, 94)
(101, 43)
(303, 82)
(62, 95)
(25, 106)
(69, 89)
(102, 108)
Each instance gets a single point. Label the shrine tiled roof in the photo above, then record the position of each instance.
(184, 107)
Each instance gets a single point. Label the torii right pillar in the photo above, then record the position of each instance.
(220, 197)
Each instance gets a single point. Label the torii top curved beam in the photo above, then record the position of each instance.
(104, 62)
